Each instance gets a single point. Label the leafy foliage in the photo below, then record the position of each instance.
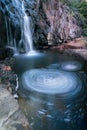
(83, 11)
(79, 9)
(83, 8)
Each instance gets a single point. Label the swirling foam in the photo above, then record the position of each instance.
(49, 81)
(71, 66)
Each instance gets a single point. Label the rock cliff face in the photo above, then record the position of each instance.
(57, 22)
(53, 21)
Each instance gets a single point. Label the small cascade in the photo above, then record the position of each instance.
(27, 33)
(11, 42)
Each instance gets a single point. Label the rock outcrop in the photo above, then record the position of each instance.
(57, 22)
(78, 43)
(11, 118)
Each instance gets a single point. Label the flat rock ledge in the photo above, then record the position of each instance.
(77, 52)
(11, 117)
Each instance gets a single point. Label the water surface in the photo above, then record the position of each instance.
(53, 91)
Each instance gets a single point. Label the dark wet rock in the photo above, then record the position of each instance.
(2, 31)
(9, 61)
(7, 76)
(6, 52)
(10, 115)
(2, 53)
(9, 52)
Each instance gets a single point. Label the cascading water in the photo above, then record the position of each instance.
(16, 17)
(11, 42)
(12, 12)
(27, 33)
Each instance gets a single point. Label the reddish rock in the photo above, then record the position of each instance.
(57, 22)
(7, 68)
(78, 43)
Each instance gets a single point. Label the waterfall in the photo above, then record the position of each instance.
(27, 32)
(17, 17)
(25, 22)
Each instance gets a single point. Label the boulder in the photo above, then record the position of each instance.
(11, 117)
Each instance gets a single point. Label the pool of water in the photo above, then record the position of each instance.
(53, 91)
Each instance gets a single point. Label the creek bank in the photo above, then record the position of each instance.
(80, 48)
(11, 117)
(77, 52)
(76, 47)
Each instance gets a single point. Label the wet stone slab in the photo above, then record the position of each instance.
(11, 117)
(77, 52)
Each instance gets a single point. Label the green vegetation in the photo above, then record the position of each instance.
(83, 11)
(79, 8)
(83, 8)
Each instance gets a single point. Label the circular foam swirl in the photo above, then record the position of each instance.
(48, 81)
(71, 66)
